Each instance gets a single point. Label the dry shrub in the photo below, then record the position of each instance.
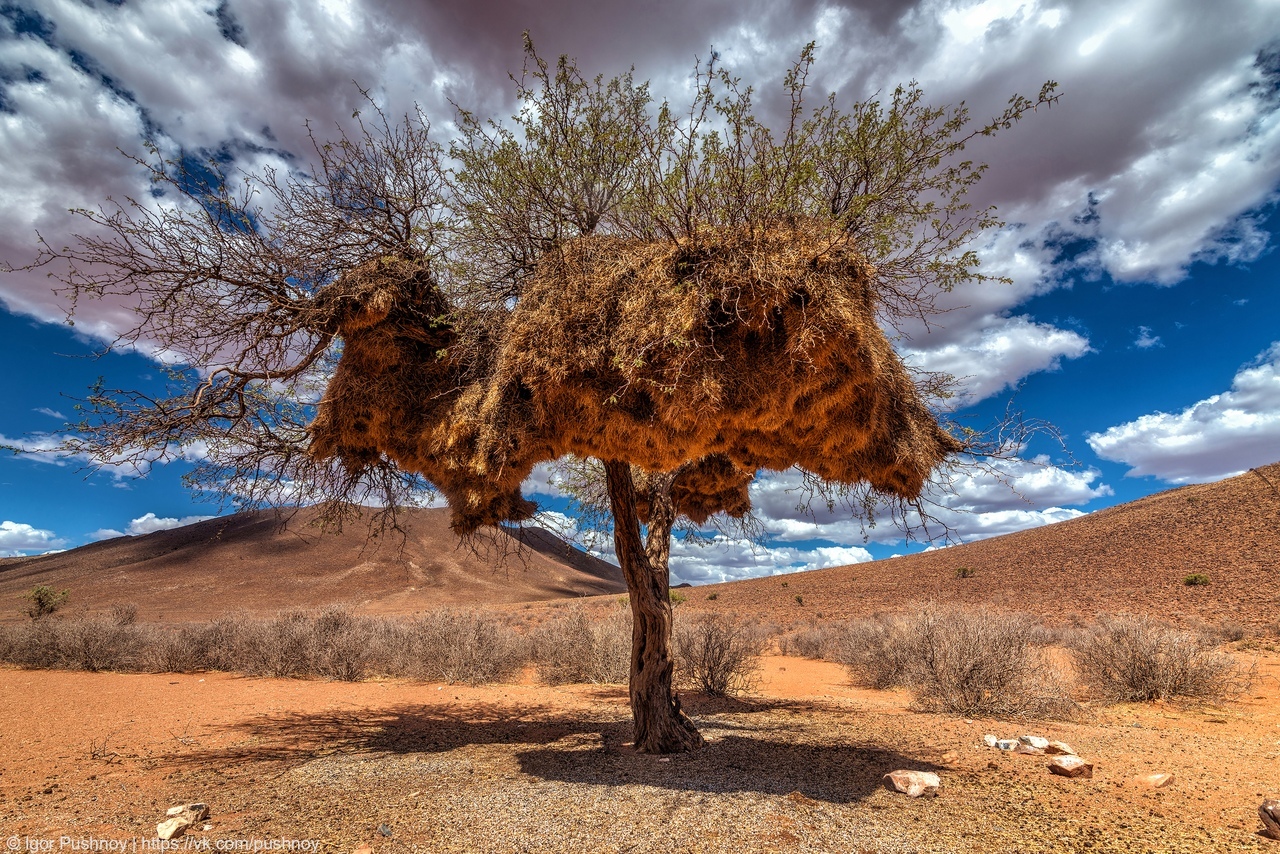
(89, 642)
(332, 643)
(1137, 658)
(279, 646)
(343, 645)
(969, 662)
(34, 645)
(880, 652)
(96, 643)
(746, 350)
(817, 641)
(718, 655)
(184, 649)
(123, 613)
(464, 646)
(574, 648)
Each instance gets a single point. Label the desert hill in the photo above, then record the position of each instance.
(262, 563)
(1129, 558)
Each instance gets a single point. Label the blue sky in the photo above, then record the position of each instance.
(1141, 214)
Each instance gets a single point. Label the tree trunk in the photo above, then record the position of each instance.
(660, 725)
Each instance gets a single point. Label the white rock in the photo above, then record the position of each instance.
(1059, 748)
(990, 740)
(1034, 741)
(1071, 766)
(1154, 781)
(1028, 750)
(913, 784)
(172, 828)
(179, 818)
(1007, 744)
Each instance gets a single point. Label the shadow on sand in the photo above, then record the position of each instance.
(756, 746)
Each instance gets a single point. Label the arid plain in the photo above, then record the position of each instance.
(796, 764)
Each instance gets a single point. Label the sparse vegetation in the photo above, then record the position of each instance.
(816, 640)
(717, 654)
(333, 643)
(711, 597)
(1196, 579)
(576, 648)
(1136, 659)
(799, 599)
(676, 597)
(45, 601)
(975, 661)
(965, 572)
(970, 662)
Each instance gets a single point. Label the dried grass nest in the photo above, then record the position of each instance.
(743, 352)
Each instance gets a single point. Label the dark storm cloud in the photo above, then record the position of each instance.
(1167, 134)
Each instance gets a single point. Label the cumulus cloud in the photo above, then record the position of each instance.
(1010, 495)
(728, 559)
(1217, 437)
(19, 538)
(986, 359)
(150, 523)
(105, 534)
(543, 481)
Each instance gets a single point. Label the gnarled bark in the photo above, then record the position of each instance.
(660, 726)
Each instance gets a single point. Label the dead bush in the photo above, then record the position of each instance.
(879, 652)
(968, 662)
(717, 655)
(464, 646)
(182, 649)
(96, 643)
(575, 648)
(818, 641)
(1137, 658)
(985, 662)
(33, 645)
(343, 645)
(123, 613)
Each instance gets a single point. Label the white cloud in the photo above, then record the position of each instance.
(150, 523)
(1145, 340)
(1009, 496)
(105, 534)
(727, 559)
(52, 413)
(543, 480)
(1217, 437)
(986, 359)
(1173, 163)
(19, 538)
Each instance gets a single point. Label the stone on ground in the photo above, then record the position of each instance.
(1270, 814)
(913, 784)
(1059, 748)
(179, 818)
(1154, 781)
(1071, 766)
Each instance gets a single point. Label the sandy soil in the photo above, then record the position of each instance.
(525, 767)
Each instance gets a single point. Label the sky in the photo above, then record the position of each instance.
(1140, 216)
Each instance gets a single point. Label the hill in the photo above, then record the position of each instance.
(262, 562)
(1129, 558)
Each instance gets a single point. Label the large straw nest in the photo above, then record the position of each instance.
(759, 350)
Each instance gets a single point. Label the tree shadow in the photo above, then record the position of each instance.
(743, 753)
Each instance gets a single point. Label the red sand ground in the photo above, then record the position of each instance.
(525, 767)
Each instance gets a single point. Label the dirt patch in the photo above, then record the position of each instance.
(526, 767)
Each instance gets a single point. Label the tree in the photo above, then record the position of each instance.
(689, 298)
